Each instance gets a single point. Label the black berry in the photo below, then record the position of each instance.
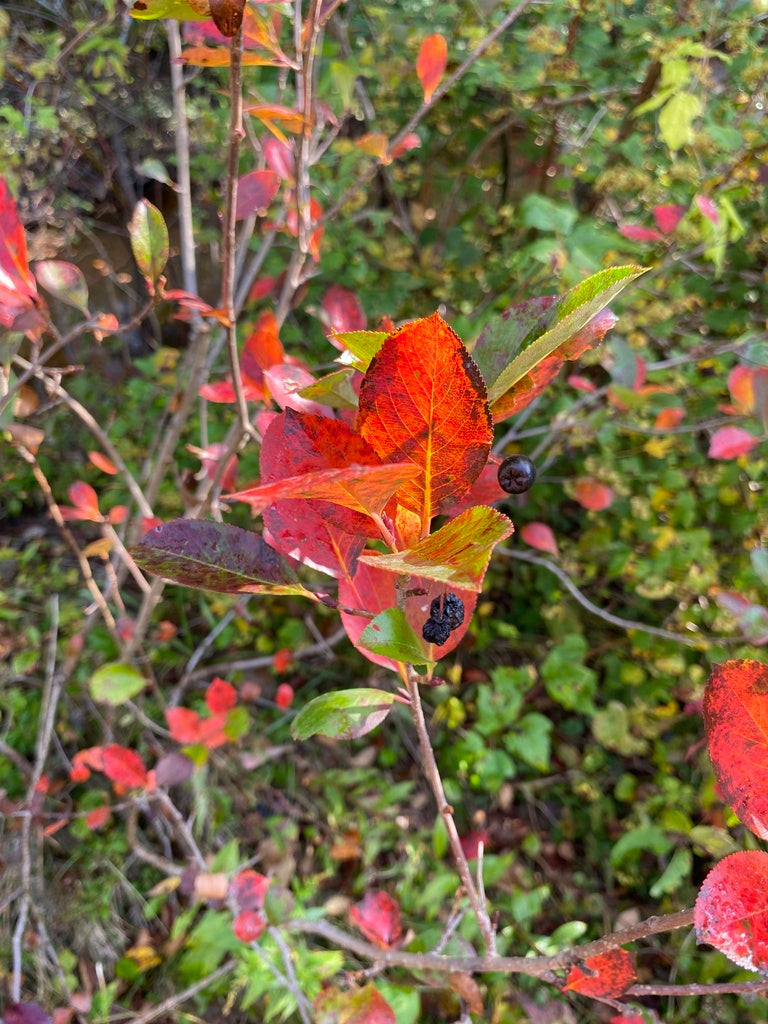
(516, 474)
(435, 632)
(451, 612)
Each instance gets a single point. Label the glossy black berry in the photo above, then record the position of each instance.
(451, 612)
(435, 632)
(516, 474)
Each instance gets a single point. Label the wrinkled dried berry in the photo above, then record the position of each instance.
(435, 632)
(451, 612)
(516, 474)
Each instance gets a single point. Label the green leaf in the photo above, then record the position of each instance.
(391, 636)
(115, 683)
(759, 559)
(676, 120)
(648, 839)
(149, 239)
(568, 681)
(545, 214)
(363, 345)
(574, 311)
(457, 554)
(529, 740)
(334, 390)
(675, 873)
(343, 715)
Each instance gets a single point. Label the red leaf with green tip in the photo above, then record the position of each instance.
(605, 976)
(736, 723)
(255, 191)
(355, 1006)
(731, 911)
(431, 62)
(378, 917)
(423, 401)
(215, 556)
(456, 555)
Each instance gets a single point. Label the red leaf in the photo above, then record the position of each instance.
(640, 234)
(377, 916)
(540, 536)
(730, 442)
(249, 925)
(408, 142)
(668, 217)
(430, 64)
(731, 911)
(606, 975)
(18, 290)
(628, 1018)
(124, 766)
(285, 381)
(282, 660)
(98, 816)
(85, 502)
(342, 309)
(470, 843)
(592, 495)
(669, 418)
(220, 696)
(248, 889)
(736, 723)
(284, 696)
(581, 383)
(184, 724)
(423, 401)
(255, 191)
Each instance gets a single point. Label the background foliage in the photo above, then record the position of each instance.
(570, 743)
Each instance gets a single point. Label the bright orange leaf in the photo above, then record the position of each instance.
(605, 976)
(430, 64)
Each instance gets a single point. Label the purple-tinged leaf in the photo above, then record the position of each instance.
(65, 282)
(149, 240)
(216, 556)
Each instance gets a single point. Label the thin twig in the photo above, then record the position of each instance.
(432, 772)
(170, 1004)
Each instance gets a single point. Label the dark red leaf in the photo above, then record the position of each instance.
(227, 15)
(736, 723)
(255, 191)
(377, 916)
(423, 401)
(731, 911)
(605, 976)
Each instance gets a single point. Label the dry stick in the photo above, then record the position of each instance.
(52, 387)
(432, 772)
(170, 1004)
(614, 620)
(228, 240)
(66, 533)
(53, 686)
(535, 967)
